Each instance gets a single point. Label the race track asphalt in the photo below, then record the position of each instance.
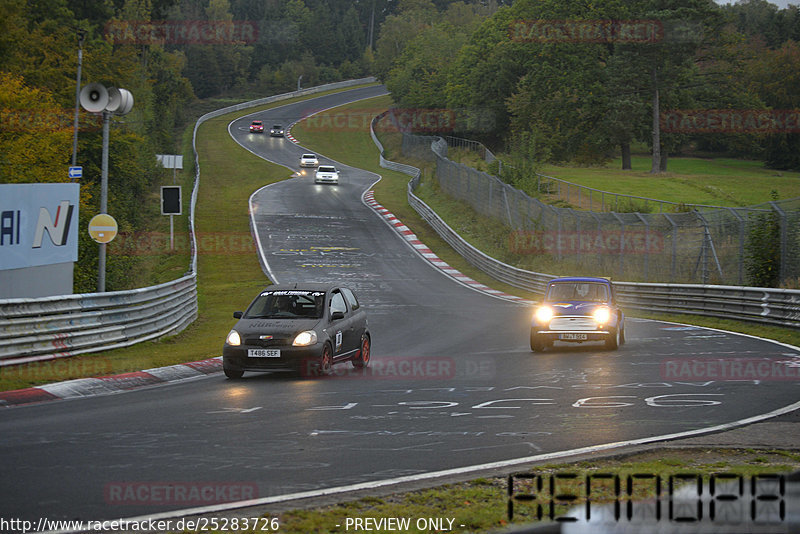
(453, 385)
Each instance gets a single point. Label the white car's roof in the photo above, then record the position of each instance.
(327, 168)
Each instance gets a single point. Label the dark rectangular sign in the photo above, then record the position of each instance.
(170, 200)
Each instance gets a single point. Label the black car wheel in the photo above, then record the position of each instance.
(537, 344)
(233, 373)
(362, 360)
(613, 340)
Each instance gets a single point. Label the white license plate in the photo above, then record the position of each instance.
(263, 353)
(574, 337)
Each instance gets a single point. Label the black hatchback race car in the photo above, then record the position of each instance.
(303, 328)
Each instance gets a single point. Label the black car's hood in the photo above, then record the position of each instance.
(275, 326)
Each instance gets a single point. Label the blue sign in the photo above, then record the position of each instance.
(76, 172)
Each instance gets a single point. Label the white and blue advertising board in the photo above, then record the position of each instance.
(38, 224)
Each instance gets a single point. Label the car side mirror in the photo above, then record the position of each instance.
(237, 315)
(335, 316)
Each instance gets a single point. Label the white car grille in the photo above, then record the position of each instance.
(572, 323)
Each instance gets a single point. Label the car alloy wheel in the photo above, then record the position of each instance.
(325, 361)
(362, 360)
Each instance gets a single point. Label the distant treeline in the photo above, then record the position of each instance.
(580, 81)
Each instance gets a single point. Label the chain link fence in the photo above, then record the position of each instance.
(757, 245)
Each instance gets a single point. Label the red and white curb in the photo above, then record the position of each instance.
(430, 256)
(288, 133)
(107, 385)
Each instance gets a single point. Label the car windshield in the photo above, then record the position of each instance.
(308, 156)
(256, 123)
(326, 169)
(294, 304)
(277, 127)
(571, 291)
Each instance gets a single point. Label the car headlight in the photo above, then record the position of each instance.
(233, 339)
(543, 314)
(602, 315)
(304, 339)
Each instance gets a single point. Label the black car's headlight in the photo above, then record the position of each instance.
(233, 339)
(304, 339)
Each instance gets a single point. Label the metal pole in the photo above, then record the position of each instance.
(81, 36)
(101, 256)
(783, 269)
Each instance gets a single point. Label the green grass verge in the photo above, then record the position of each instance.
(481, 504)
(229, 273)
(713, 181)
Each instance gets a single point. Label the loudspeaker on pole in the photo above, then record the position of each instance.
(94, 97)
(120, 101)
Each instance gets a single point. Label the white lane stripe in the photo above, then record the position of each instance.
(455, 471)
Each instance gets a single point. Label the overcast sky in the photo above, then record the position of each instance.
(779, 3)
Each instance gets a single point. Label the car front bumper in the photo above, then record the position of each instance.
(576, 336)
(573, 329)
(294, 359)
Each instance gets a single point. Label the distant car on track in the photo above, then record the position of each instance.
(577, 310)
(304, 328)
(309, 160)
(256, 127)
(326, 174)
(276, 130)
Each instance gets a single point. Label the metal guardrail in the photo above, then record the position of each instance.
(66, 325)
(55, 327)
(779, 307)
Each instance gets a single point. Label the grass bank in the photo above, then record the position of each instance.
(481, 505)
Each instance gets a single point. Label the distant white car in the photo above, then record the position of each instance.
(326, 174)
(309, 160)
